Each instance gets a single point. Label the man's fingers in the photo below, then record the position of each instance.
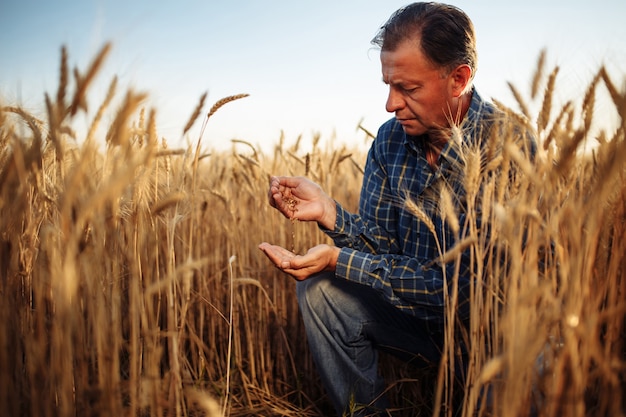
(274, 192)
(271, 256)
(286, 261)
(277, 254)
(290, 182)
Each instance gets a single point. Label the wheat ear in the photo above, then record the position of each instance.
(195, 113)
(421, 215)
(224, 101)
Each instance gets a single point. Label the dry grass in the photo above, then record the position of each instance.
(132, 284)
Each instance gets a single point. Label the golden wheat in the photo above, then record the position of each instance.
(195, 114)
(132, 282)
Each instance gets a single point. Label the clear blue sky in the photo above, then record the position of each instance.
(308, 66)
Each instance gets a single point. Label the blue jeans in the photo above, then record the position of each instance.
(346, 324)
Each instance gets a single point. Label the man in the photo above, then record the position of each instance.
(379, 286)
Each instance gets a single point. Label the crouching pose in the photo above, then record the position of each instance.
(377, 288)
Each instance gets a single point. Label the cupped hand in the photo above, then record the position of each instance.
(318, 258)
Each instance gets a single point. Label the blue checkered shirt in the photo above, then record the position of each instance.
(386, 246)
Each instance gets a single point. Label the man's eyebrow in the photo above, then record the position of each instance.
(402, 83)
(391, 82)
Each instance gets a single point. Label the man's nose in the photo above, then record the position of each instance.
(395, 101)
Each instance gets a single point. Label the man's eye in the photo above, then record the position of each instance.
(410, 90)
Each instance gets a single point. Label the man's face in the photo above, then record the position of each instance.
(420, 94)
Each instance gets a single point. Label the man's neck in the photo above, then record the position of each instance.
(438, 138)
(462, 107)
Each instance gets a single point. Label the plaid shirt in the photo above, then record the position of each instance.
(385, 246)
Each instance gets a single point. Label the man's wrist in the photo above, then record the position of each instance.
(334, 256)
(330, 215)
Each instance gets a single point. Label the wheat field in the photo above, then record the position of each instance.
(131, 282)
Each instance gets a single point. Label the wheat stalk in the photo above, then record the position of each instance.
(453, 253)
(230, 333)
(63, 79)
(218, 104)
(168, 201)
(589, 101)
(195, 114)
(82, 83)
(448, 213)
(538, 75)
(119, 134)
(519, 99)
(544, 116)
(421, 215)
(98, 271)
(101, 110)
(472, 173)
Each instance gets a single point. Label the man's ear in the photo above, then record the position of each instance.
(461, 77)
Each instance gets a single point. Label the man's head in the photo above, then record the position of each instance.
(443, 32)
(428, 56)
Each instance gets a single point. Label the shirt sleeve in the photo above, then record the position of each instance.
(352, 231)
(406, 282)
(373, 230)
(371, 253)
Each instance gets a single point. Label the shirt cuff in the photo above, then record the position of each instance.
(353, 266)
(339, 221)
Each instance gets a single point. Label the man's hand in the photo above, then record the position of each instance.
(302, 199)
(318, 258)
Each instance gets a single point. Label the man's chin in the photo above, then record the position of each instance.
(412, 127)
(413, 130)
